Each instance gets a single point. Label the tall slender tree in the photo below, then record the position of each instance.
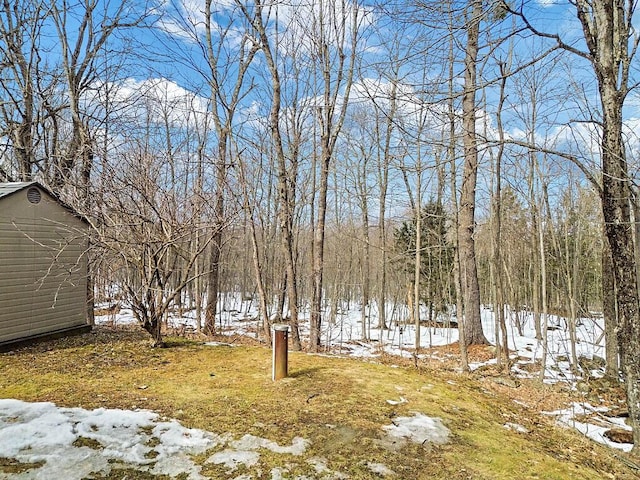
(335, 30)
(609, 33)
(611, 45)
(21, 72)
(224, 101)
(466, 217)
(259, 17)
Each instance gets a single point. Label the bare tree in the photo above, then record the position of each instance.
(466, 217)
(609, 33)
(452, 119)
(223, 107)
(20, 24)
(249, 199)
(220, 62)
(545, 309)
(383, 164)
(496, 244)
(383, 97)
(335, 31)
(611, 42)
(361, 148)
(259, 18)
(143, 233)
(83, 28)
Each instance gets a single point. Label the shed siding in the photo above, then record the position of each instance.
(43, 277)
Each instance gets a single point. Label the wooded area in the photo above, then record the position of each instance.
(313, 155)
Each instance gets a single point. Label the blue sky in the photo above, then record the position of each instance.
(173, 71)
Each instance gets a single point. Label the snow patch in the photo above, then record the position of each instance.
(380, 469)
(397, 402)
(515, 427)
(567, 418)
(57, 437)
(43, 432)
(231, 458)
(418, 429)
(320, 466)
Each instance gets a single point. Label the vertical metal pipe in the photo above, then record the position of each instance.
(280, 351)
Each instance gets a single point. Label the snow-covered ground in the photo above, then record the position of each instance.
(74, 443)
(344, 334)
(63, 442)
(345, 325)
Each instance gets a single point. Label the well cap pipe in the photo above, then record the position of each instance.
(280, 351)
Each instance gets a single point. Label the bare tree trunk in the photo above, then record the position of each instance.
(366, 258)
(466, 217)
(545, 319)
(572, 289)
(383, 180)
(222, 110)
(285, 197)
(215, 254)
(198, 280)
(382, 241)
(618, 227)
(608, 27)
(610, 314)
(502, 353)
(318, 253)
(418, 257)
(536, 265)
(451, 153)
(257, 264)
(535, 284)
(337, 66)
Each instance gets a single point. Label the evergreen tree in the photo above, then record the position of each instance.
(436, 255)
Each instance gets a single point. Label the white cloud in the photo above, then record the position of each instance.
(187, 19)
(547, 3)
(161, 100)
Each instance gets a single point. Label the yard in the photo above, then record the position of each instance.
(332, 418)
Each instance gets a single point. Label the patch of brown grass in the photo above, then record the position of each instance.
(12, 466)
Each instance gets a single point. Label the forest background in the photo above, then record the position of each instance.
(313, 154)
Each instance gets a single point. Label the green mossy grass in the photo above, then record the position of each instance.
(338, 404)
(12, 466)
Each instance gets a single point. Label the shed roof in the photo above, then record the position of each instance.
(8, 188)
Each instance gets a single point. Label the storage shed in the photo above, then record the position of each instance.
(43, 265)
